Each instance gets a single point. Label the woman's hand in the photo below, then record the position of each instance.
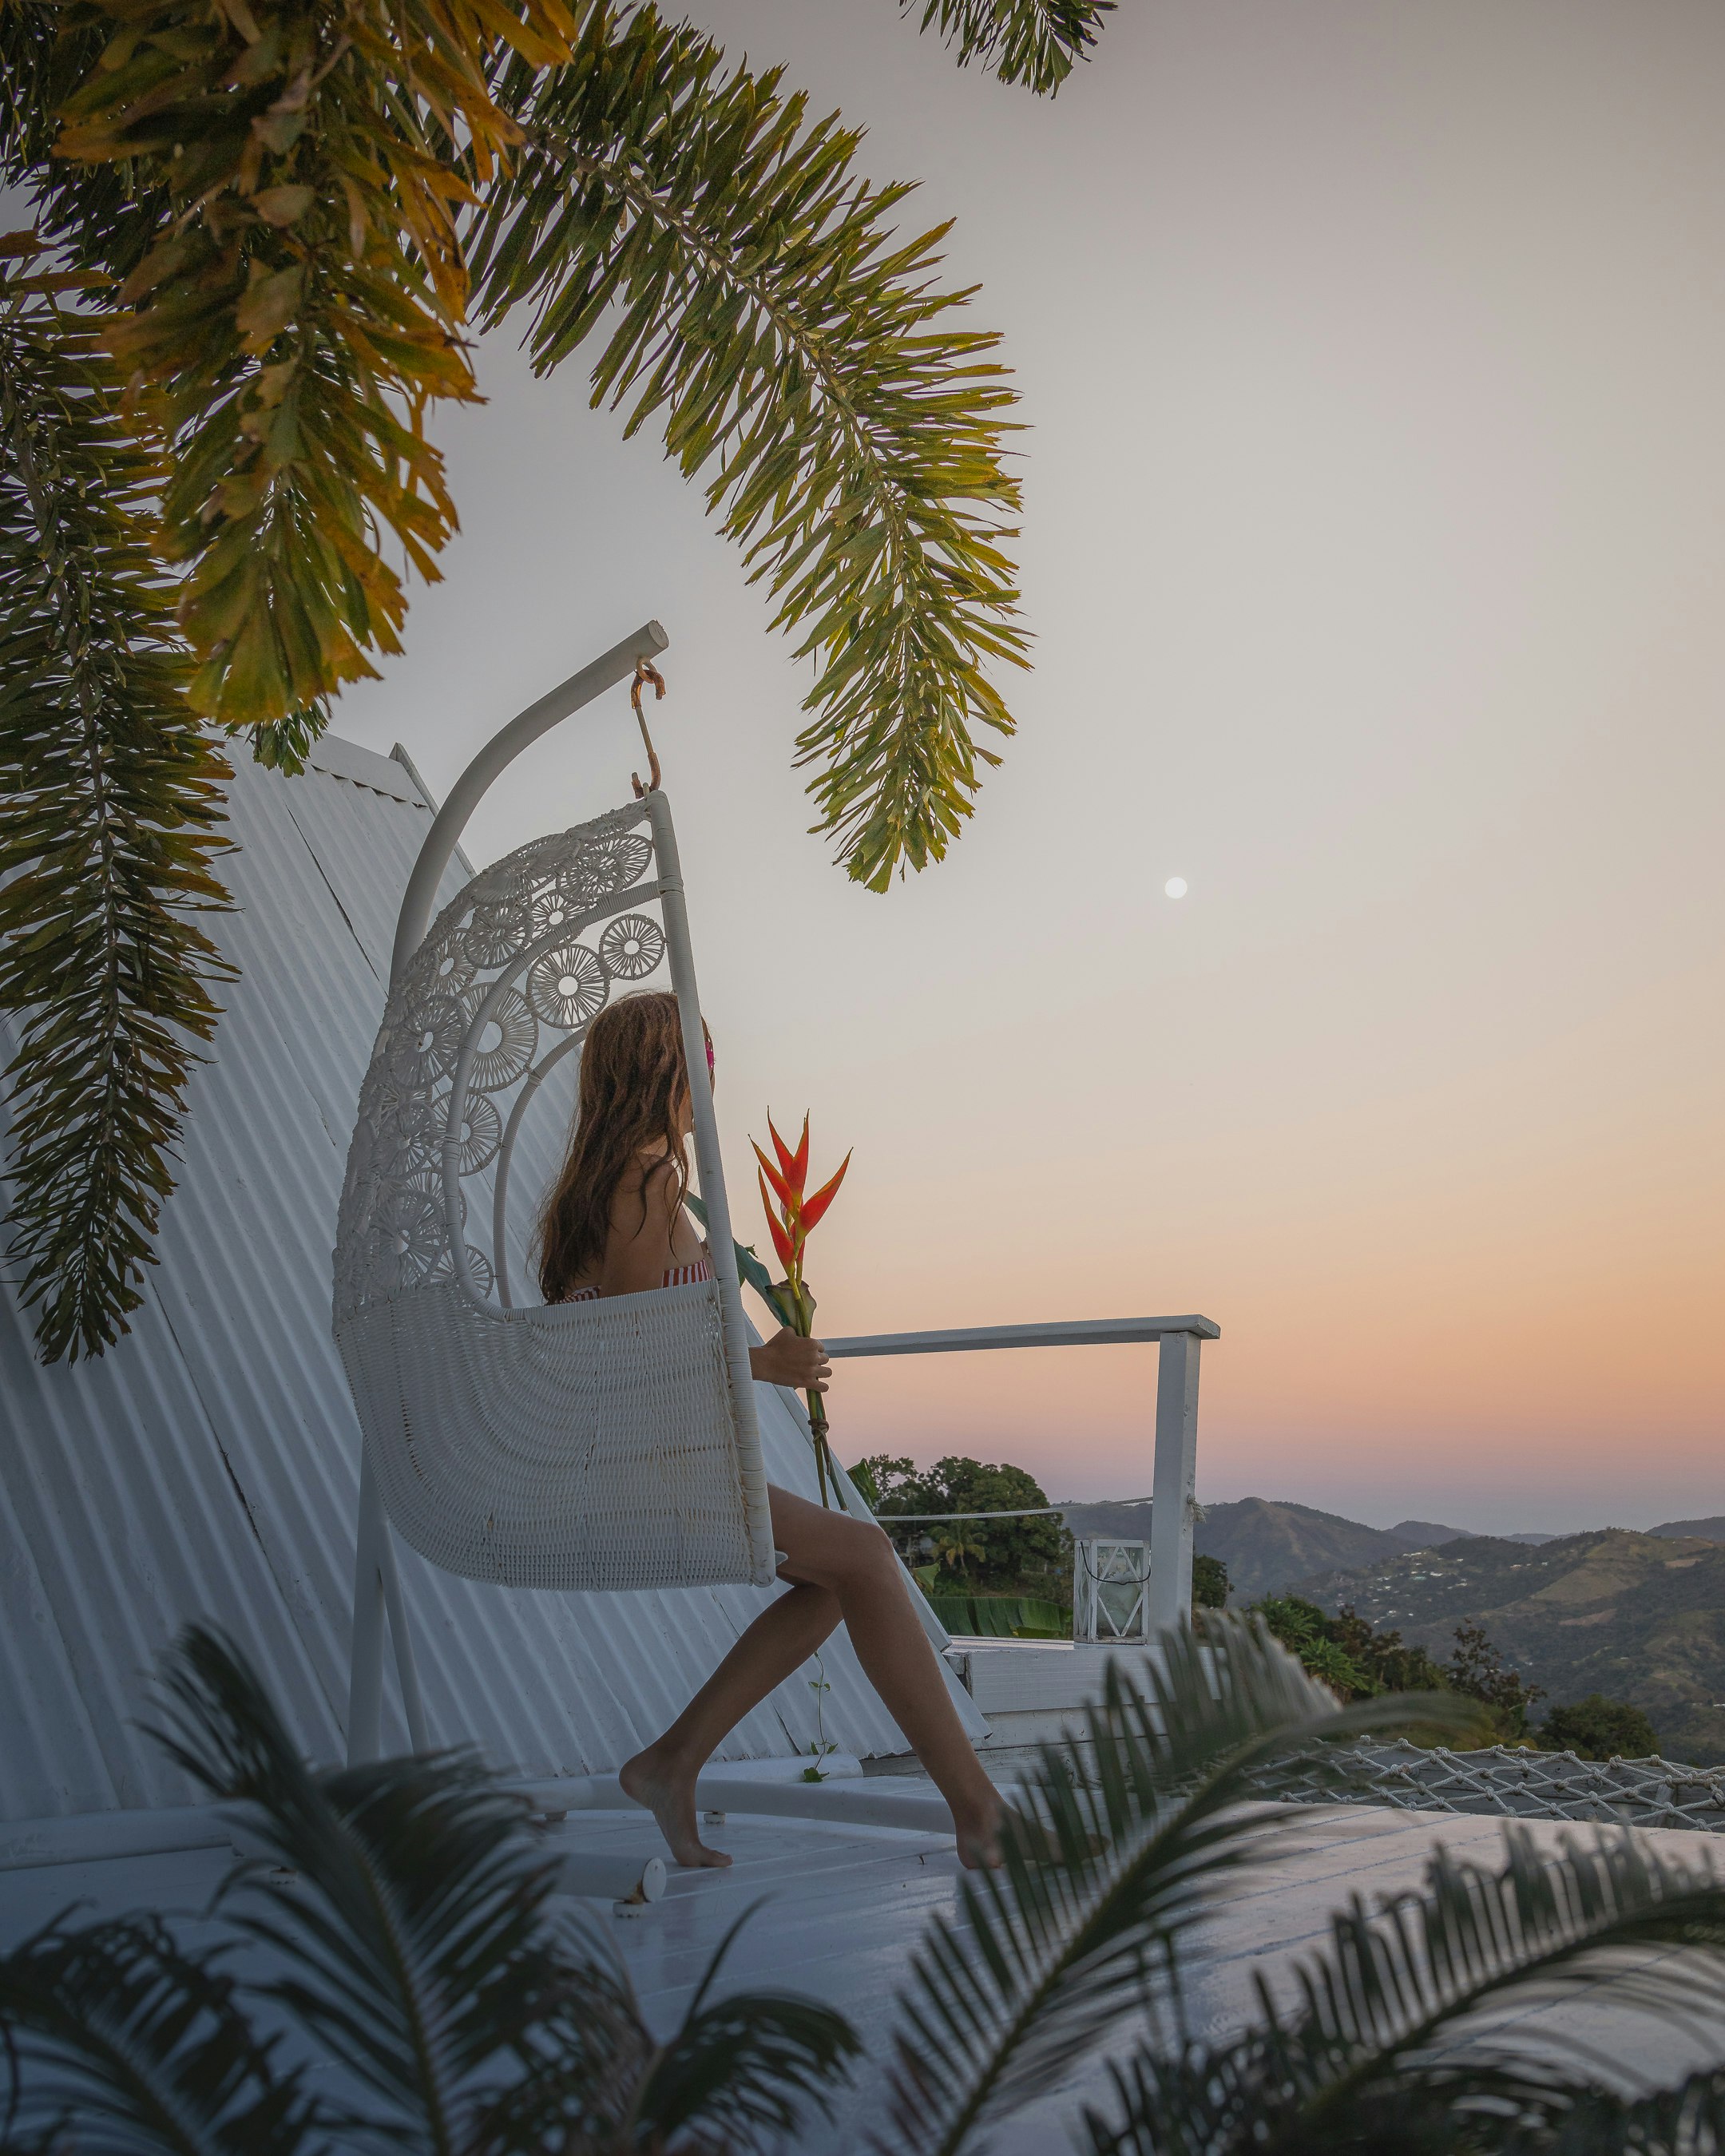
(789, 1359)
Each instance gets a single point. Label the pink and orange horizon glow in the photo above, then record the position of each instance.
(1375, 537)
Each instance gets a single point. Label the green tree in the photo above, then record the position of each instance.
(1476, 1669)
(1031, 1555)
(956, 1546)
(1210, 1582)
(1390, 1664)
(1598, 1728)
(1358, 1663)
(1304, 1630)
(293, 214)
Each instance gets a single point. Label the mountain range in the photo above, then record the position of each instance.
(1638, 1617)
(1269, 1544)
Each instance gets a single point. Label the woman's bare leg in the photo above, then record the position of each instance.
(839, 1567)
(779, 1642)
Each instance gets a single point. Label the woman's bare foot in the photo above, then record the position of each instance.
(977, 1830)
(981, 1836)
(667, 1789)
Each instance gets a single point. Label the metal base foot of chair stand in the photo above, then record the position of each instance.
(631, 1883)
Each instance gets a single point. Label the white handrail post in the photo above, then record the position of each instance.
(1175, 1480)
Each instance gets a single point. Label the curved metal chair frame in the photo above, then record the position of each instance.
(593, 1446)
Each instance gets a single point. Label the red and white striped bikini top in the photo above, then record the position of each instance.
(676, 1276)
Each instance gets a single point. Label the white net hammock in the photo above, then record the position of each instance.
(1507, 1780)
(598, 1444)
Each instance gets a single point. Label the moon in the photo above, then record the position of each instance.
(1175, 886)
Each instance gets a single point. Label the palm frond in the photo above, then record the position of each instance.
(300, 308)
(750, 2064)
(31, 82)
(109, 798)
(1392, 2029)
(99, 218)
(1045, 1957)
(753, 293)
(1035, 43)
(583, 2056)
(740, 2073)
(117, 2041)
(415, 1899)
(1688, 2120)
(420, 1952)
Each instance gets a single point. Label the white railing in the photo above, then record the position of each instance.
(1176, 1454)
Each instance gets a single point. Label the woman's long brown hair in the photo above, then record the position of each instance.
(634, 1083)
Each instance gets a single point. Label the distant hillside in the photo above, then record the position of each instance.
(1639, 1617)
(1266, 1545)
(1706, 1531)
(1130, 1522)
(1427, 1534)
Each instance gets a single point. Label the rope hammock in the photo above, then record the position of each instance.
(586, 1445)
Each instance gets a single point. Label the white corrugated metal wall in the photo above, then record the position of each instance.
(207, 1466)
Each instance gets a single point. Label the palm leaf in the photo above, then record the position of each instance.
(406, 1904)
(300, 305)
(1045, 1957)
(1032, 42)
(109, 798)
(420, 1951)
(1688, 2120)
(101, 217)
(118, 2043)
(750, 2065)
(755, 299)
(736, 2074)
(1396, 2029)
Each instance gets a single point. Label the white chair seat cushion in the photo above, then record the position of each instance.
(586, 1446)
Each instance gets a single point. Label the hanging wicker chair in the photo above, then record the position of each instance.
(596, 1444)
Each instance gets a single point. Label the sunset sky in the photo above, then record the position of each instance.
(1371, 356)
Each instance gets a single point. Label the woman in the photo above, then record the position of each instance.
(614, 1224)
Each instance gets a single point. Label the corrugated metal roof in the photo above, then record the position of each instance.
(207, 1466)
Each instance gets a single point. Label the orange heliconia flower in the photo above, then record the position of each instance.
(798, 1216)
(794, 1220)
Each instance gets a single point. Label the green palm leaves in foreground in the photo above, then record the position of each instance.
(412, 1943)
(801, 354)
(1404, 2034)
(1387, 2045)
(1044, 1959)
(299, 211)
(416, 1960)
(109, 798)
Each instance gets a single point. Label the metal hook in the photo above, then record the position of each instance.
(645, 670)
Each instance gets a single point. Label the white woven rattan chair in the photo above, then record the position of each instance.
(593, 1444)
(603, 1445)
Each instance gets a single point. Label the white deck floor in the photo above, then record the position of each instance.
(842, 1908)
